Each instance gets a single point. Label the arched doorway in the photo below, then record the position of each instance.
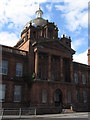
(58, 97)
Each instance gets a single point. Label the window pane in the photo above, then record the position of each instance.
(19, 69)
(77, 95)
(84, 96)
(44, 96)
(17, 93)
(83, 79)
(76, 78)
(69, 97)
(4, 67)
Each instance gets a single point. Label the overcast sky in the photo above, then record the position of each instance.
(71, 17)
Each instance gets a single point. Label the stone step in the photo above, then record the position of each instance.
(67, 111)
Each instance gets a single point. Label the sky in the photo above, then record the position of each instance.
(70, 16)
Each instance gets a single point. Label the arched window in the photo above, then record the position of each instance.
(58, 97)
(84, 96)
(83, 79)
(76, 78)
(44, 96)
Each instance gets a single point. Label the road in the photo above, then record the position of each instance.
(69, 116)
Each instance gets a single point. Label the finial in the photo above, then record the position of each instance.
(64, 35)
(39, 6)
(39, 12)
(63, 32)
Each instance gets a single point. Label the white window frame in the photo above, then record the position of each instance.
(17, 93)
(19, 69)
(2, 92)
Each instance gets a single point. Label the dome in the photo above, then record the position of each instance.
(39, 21)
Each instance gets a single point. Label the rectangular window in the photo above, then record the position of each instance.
(44, 96)
(83, 78)
(69, 97)
(77, 95)
(4, 67)
(17, 93)
(2, 92)
(84, 97)
(19, 69)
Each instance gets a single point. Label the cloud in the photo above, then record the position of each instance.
(9, 39)
(81, 58)
(75, 13)
(78, 43)
(49, 7)
(18, 11)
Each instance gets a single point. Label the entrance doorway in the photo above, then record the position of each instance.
(58, 97)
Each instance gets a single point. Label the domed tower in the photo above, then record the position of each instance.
(35, 30)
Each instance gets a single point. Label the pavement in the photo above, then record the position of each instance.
(64, 116)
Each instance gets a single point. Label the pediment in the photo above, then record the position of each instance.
(57, 45)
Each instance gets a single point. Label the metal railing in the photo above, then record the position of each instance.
(17, 112)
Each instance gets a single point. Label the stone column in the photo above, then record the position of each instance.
(49, 67)
(36, 64)
(61, 68)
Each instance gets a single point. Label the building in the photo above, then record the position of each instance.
(39, 71)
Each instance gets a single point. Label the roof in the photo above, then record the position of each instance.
(35, 22)
(38, 21)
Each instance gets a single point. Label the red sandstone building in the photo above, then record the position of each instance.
(39, 71)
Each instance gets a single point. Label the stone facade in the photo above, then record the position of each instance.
(40, 71)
